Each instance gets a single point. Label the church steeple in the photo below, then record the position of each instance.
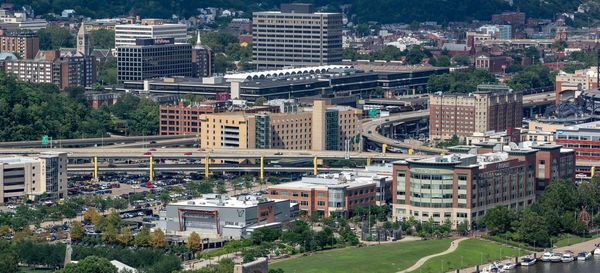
(83, 41)
(198, 41)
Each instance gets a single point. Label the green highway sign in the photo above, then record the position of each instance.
(45, 140)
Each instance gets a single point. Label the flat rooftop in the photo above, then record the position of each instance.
(16, 160)
(343, 179)
(220, 200)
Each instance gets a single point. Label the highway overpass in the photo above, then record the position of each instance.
(96, 160)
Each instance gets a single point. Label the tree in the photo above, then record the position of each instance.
(499, 220)
(164, 198)
(533, 228)
(194, 242)
(9, 262)
(77, 231)
(92, 215)
(266, 234)
(462, 60)
(125, 237)
(462, 227)
(4, 230)
(109, 234)
(157, 239)
(260, 101)
(103, 38)
(442, 61)
(76, 93)
(55, 37)
(415, 55)
(142, 238)
(90, 264)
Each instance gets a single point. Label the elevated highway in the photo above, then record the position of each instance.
(147, 141)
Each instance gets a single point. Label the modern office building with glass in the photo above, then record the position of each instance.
(461, 187)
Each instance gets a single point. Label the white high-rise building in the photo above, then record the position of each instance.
(296, 36)
(126, 34)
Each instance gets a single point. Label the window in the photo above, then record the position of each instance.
(304, 203)
(321, 203)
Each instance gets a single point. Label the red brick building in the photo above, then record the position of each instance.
(184, 119)
(332, 194)
(26, 45)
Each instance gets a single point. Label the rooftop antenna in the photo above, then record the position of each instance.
(598, 68)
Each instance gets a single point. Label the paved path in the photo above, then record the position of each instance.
(422, 261)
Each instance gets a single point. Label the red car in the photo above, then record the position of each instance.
(187, 153)
(148, 153)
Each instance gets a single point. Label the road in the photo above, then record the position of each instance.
(193, 153)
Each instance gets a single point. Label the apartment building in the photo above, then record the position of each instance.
(127, 34)
(490, 108)
(24, 44)
(296, 36)
(335, 194)
(153, 58)
(462, 186)
(321, 127)
(52, 67)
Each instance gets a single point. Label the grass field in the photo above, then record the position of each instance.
(385, 258)
(569, 239)
(469, 253)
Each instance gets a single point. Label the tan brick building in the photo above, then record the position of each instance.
(490, 108)
(321, 127)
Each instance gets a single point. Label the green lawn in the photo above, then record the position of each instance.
(470, 252)
(569, 239)
(385, 258)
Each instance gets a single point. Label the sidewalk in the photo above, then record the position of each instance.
(423, 260)
(197, 264)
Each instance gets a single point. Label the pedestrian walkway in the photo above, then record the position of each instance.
(423, 260)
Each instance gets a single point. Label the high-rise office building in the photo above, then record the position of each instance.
(490, 108)
(296, 36)
(25, 44)
(126, 34)
(153, 58)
